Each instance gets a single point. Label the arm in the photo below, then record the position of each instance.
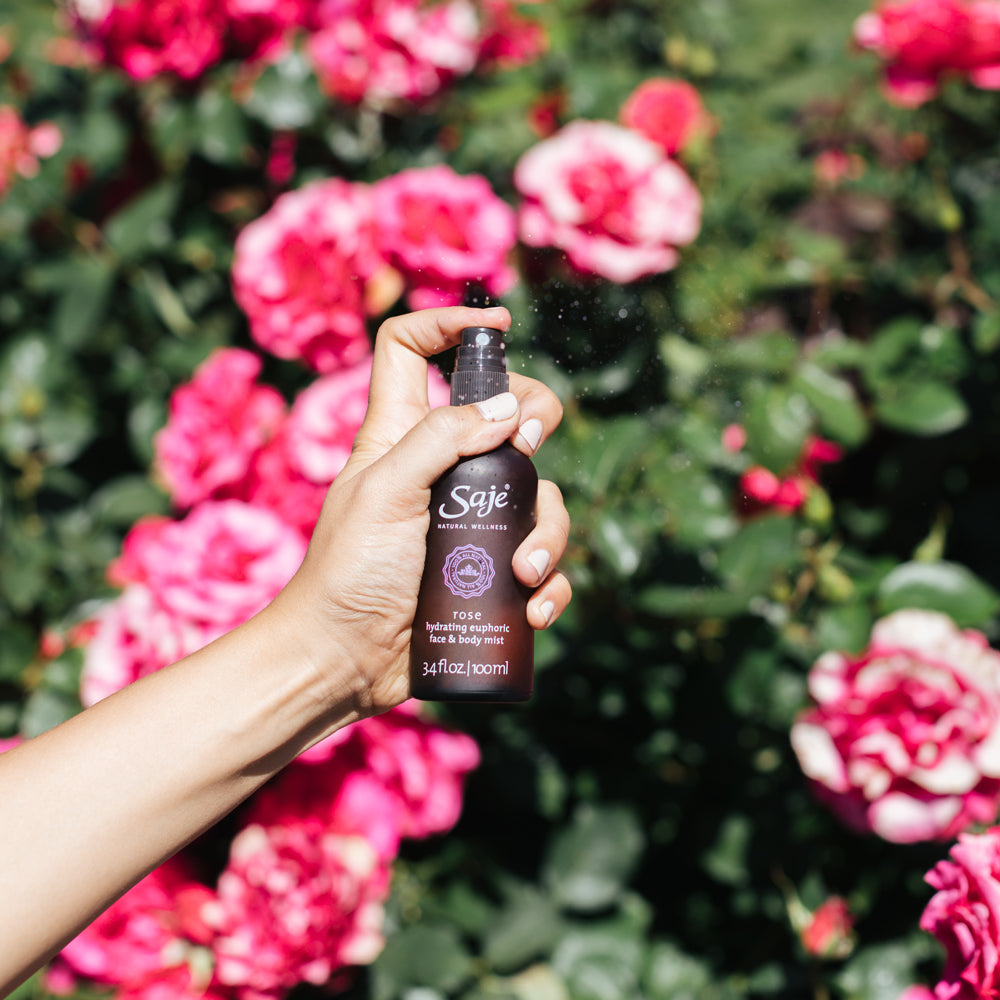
(91, 806)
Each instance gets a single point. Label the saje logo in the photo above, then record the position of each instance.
(482, 503)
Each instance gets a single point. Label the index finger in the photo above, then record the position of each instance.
(397, 398)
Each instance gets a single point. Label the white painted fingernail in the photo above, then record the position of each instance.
(530, 432)
(540, 560)
(547, 609)
(500, 407)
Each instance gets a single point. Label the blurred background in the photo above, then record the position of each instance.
(753, 247)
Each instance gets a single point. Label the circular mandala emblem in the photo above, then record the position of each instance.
(468, 571)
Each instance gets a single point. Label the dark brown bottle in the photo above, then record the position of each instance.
(471, 640)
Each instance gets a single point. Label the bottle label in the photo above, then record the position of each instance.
(468, 571)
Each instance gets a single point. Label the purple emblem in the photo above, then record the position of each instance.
(468, 571)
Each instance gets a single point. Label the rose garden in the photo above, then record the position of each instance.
(755, 249)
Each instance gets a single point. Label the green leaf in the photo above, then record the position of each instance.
(145, 223)
(599, 963)
(835, 402)
(762, 549)
(17, 650)
(942, 586)
(777, 421)
(286, 94)
(672, 975)
(589, 863)
(925, 408)
(83, 302)
(881, 972)
(45, 709)
(421, 955)
(526, 928)
(675, 601)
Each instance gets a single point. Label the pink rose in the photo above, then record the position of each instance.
(423, 765)
(149, 37)
(152, 940)
(509, 38)
(917, 993)
(829, 931)
(380, 51)
(904, 739)
(762, 490)
(259, 29)
(964, 915)
(296, 903)
(300, 272)
(292, 474)
(21, 146)
(135, 635)
(391, 776)
(217, 423)
(443, 232)
(186, 583)
(922, 41)
(609, 198)
(669, 112)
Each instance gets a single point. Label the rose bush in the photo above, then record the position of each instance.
(754, 248)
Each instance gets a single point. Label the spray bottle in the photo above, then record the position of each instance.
(471, 640)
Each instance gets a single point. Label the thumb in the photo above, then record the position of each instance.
(447, 434)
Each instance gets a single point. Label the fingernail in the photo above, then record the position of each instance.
(539, 559)
(500, 407)
(530, 432)
(547, 609)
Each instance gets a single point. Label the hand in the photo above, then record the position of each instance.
(362, 571)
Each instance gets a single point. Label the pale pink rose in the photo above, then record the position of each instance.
(186, 583)
(151, 940)
(444, 232)
(904, 738)
(917, 993)
(923, 41)
(609, 198)
(217, 423)
(148, 37)
(21, 146)
(300, 271)
(964, 915)
(669, 112)
(381, 51)
(296, 903)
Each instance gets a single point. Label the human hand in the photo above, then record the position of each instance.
(356, 591)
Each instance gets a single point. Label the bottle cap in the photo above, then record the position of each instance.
(480, 366)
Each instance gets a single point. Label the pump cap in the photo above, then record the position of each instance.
(480, 366)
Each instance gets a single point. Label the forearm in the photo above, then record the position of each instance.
(91, 806)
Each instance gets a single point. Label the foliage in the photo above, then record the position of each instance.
(641, 828)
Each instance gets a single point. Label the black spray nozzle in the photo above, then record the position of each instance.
(482, 348)
(480, 366)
